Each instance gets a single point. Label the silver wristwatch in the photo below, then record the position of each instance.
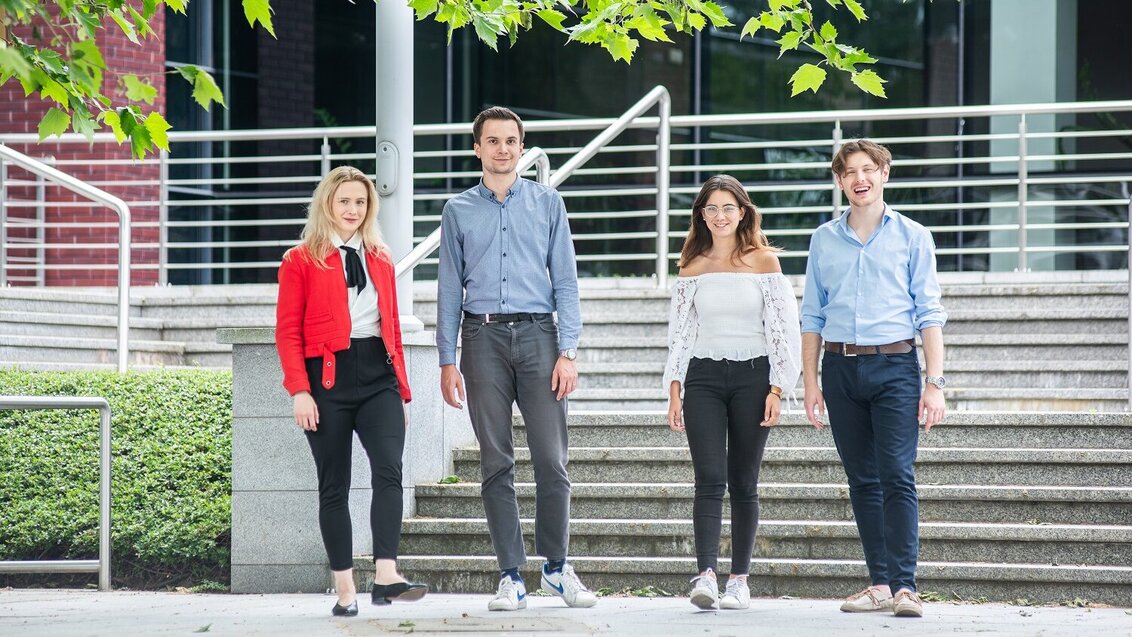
(938, 381)
(569, 354)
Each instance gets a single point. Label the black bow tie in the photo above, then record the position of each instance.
(355, 274)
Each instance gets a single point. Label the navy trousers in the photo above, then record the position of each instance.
(872, 403)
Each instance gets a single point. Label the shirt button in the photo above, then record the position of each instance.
(504, 254)
(329, 364)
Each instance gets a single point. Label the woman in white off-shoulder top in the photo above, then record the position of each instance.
(734, 348)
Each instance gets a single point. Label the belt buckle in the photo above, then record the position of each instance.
(486, 318)
(845, 351)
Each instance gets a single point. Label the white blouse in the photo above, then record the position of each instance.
(735, 316)
(365, 320)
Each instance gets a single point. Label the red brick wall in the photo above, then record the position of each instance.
(88, 263)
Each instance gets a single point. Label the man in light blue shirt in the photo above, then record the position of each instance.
(870, 288)
(506, 266)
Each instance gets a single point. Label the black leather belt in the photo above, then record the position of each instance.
(849, 349)
(507, 318)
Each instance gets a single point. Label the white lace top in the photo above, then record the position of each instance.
(744, 315)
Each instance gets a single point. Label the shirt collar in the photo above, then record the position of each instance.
(355, 241)
(843, 219)
(515, 189)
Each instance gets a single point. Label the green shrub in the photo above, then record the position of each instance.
(170, 482)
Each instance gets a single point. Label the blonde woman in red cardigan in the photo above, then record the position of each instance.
(339, 341)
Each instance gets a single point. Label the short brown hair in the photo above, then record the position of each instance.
(495, 112)
(879, 154)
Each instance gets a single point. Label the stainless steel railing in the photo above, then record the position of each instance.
(102, 564)
(224, 218)
(55, 176)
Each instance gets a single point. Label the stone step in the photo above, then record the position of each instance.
(55, 366)
(1038, 430)
(960, 374)
(87, 325)
(938, 503)
(772, 577)
(986, 467)
(939, 541)
(64, 301)
(975, 399)
(103, 352)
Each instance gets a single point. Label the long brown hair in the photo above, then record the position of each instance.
(749, 233)
(320, 221)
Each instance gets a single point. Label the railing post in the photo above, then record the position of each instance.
(837, 138)
(1128, 195)
(325, 151)
(3, 223)
(1023, 266)
(40, 227)
(163, 220)
(663, 163)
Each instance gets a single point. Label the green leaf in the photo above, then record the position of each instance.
(649, 25)
(12, 63)
(750, 28)
(157, 127)
(259, 11)
(144, 30)
(833, 3)
(55, 91)
(869, 82)
(856, 9)
(772, 21)
(808, 77)
(715, 13)
(696, 21)
(126, 27)
(423, 8)
(87, 53)
(55, 122)
(778, 5)
(138, 90)
(553, 18)
(621, 46)
(205, 90)
(176, 5)
(486, 32)
(828, 32)
(114, 121)
(789, 41)
(82, 123)
(140, 141)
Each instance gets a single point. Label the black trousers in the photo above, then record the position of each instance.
(724, 402)
(364, 399)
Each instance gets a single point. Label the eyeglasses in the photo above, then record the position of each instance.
(867, 171)
(713, 211)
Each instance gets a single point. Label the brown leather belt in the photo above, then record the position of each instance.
(849, 349)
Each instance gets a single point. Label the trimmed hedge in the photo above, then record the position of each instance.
(171, 475)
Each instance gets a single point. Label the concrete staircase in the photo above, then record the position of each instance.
(1016, 342)
(74, 329)
(1013, 506)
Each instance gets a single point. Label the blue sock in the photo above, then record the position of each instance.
(555, 566)
(513, 573)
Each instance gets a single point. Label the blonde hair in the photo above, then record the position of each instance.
(316, 235)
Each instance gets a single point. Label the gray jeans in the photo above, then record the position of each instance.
(504, 364)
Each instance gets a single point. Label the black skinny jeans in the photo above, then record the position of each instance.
(365, 399)
(724, 402)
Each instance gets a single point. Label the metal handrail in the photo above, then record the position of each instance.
(534, 156)
(102, 564)
(114, 203)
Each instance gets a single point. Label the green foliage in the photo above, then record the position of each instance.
(62, 62)
(449, 480)
(171, 473)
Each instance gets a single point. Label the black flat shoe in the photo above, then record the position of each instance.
(401, 591)
(345, 611)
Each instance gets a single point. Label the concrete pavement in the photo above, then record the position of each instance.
(42, 613)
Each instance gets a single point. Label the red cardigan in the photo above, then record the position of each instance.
(312, 316)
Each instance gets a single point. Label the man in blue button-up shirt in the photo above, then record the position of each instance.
(870, 288)
(506, 266)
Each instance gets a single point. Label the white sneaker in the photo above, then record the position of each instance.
(511, 595)
(567, 586)
(737, 596)
(705, 590)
